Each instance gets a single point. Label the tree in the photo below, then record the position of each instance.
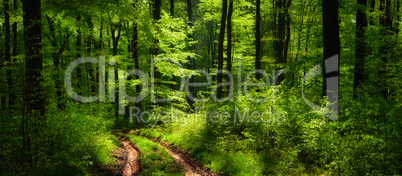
(360, 49)
(258, 38)
(33, 51)
(331, 57)
(229, 38)
(281, 25)
(8, 54)
(33, 99)
(386, 31)
(172, 8)
(220, 48)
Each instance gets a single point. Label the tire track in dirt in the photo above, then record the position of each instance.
(190, 165)
(131, 164)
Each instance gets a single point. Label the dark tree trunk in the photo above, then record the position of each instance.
(386, 23)
(331, 50)
(298, 46)
(156, 13)
(398, 16)
(287, 40)
(229, 38)
(360, 49)
(8, 54)
(190, 64)
(115, 41)
(220, 47)
(172, 8)
(34, 100)
(15, 48)
(33, 51)
(78, 55)
(173, 79)
(258, 39)
(280, 41)
(101, 34)
(90, 70)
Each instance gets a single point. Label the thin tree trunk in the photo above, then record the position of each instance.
(190, 64)
(286, 47)
(298, 46)
(386, 23)
(136, 65)
(360, 48)
(220, 48)
(8, 54)
(229, 38)
(172, 8)
(101, 34)
(78, 55)
(258, 39)
(115, 42)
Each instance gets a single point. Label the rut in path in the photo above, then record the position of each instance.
(131, 166)
(190, 165)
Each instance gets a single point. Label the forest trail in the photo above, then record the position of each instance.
(190, 165)
(131, 164)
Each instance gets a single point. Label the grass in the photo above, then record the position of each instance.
(153, 159)
(226, 154)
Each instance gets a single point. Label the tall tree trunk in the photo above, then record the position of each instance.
(101, 34)
(115, 42)
(156, 13)
(8, 54)
(172, 8)
(34, 99)
(331, 51)
(90, 70)
(386, 23)
(15, 31)
(360, 49)
(298, 45)
(220, 47)
(15, 47)
(258, 39)
(280, 21)
(78, 55)
(287, 40)
(33, 51)
(136, 65)
(173, 79)
(229, 38)
(190, 64)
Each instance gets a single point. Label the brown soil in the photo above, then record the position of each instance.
(127, 158)
(190, 165)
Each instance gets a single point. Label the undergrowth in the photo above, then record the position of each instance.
(153, 159)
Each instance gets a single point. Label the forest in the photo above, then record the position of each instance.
(200, 87)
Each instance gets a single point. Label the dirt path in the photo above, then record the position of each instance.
(131, 165)
(190, 165)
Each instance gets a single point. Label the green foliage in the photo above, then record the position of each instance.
(75, 141)
(284, 136)
(154, 160)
